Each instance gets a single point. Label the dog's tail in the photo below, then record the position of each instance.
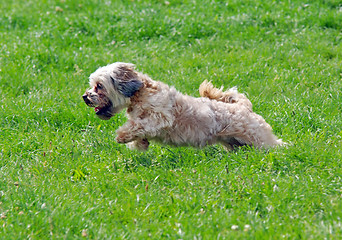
(208, 90)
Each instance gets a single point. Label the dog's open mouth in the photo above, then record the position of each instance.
(97, 109)
(101, 110)
(105, 112)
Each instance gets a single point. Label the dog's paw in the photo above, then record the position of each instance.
(139, 144)
(123, 138)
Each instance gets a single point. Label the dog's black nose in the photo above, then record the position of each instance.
(85, 98)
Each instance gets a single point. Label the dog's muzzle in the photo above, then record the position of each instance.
(103, 112)
(86, 99)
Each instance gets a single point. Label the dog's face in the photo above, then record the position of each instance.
(111, 88)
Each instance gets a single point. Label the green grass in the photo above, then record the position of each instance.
(62, 175)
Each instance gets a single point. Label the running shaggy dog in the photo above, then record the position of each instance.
(160, 113)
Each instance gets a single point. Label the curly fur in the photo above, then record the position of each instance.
(158, 112)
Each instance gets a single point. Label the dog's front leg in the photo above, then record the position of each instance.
(139, 144)
(141, 130)
(129, 132)
(132, 133)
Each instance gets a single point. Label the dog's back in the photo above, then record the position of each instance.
(207, 90)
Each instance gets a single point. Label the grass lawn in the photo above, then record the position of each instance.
(62, 175)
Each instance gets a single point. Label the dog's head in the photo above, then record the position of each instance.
(111, 88)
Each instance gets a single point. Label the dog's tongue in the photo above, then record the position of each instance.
(97, 109)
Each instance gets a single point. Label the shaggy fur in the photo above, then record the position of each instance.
(158, 112)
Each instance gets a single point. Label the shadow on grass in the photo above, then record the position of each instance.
(180, 157)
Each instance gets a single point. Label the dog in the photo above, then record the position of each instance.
(158, 112)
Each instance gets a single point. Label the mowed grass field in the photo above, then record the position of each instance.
(62, 175)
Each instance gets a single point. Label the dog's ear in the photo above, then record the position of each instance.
(125, 71)
(129, 88)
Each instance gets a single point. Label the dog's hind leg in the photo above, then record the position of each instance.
(248, 128)
(231, 143)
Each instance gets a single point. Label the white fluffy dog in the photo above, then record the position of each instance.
(158, 112)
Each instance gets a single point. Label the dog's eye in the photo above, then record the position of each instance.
(99, 86)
